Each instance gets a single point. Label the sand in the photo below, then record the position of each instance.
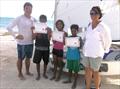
(9, 79)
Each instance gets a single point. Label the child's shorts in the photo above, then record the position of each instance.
(24, 51)
(73, 65)
(58, 53)
(40, 54)
(93, 63)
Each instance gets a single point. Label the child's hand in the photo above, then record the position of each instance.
(34, 35)
(49, 32)
(20, 37)
(54, 41)
(32, 28)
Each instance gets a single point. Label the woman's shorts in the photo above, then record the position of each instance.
(93, 63)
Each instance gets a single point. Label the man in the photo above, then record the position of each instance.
(24, 38)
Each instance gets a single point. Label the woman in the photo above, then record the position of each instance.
(97, 42)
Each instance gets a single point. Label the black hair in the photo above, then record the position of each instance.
(74, 26)
(60, 21)
(97, 10)
(43, 17)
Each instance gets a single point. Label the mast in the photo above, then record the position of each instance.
(55, 12)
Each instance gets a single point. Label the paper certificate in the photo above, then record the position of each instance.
(58, 36)
(72, 42)
(40, 28)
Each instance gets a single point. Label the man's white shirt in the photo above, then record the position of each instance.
(24, 25)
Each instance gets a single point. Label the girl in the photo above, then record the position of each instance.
(58, 52)
(73, 57)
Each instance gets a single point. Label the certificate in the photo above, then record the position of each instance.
(72, 42)
(58, 36)
(40, 28)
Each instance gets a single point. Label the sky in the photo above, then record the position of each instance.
(14, 8)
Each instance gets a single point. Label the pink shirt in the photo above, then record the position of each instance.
(58, 45)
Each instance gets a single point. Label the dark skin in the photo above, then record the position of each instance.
(58, 61)
(38, 65)
(74, 34)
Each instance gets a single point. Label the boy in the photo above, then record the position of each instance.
(42, 43)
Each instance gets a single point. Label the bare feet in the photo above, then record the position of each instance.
(52, 78)
(57, 79)
(21, 77)
(29, 74)
(68, 81)
(45, 76)
(38, 77)
(73, 86)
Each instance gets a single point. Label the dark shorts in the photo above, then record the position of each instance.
(58, 53)
(38, 55)
(24, 51)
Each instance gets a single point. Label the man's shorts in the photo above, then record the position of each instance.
(41, 54)
(58, 53)
(24, 51)
(93, 63)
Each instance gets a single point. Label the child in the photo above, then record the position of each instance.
(73, 57)
(58, 52)
(42, 43)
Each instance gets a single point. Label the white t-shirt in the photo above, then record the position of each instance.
(97, 41)
(24, 25)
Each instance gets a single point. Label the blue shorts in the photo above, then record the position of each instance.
(24, 51)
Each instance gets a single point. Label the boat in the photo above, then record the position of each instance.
(77, 12)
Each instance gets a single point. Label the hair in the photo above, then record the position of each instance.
(74, 26)
(97, 10)
(60, 21)
(43, 17)
(27, 4)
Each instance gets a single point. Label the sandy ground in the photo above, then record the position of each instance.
(9, 79)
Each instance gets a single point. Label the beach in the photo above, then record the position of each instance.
(9, 78)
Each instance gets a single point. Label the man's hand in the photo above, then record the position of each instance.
(20, 37)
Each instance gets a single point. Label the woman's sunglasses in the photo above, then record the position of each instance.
(93, 13)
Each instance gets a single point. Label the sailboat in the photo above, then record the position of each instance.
(77, 12)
